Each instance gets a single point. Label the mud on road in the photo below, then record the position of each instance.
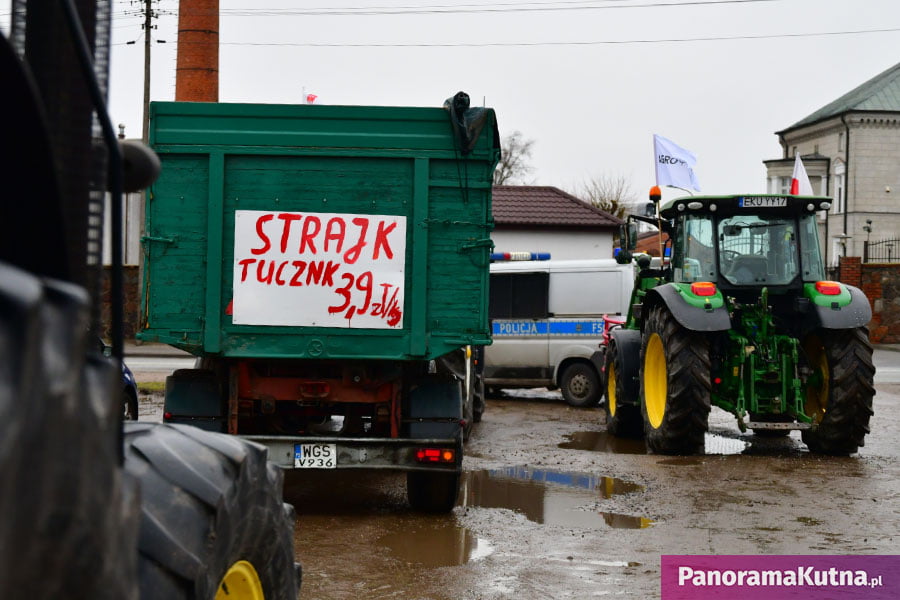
(553, 508)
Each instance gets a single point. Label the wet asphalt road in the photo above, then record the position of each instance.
(554, 508)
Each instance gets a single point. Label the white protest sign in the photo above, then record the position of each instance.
(318, 269)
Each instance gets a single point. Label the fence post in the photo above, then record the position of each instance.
(866, 251)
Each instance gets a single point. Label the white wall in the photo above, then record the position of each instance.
(560, 244)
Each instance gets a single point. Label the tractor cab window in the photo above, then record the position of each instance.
(758, 250)
(695, 256)
(810, 258)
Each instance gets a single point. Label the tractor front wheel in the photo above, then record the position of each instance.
(675, 385)
(623, 415)
(839, 393)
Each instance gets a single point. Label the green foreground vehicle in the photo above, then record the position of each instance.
(741, 318)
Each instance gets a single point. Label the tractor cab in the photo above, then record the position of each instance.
(746, 242)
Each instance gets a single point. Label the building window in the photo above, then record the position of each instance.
(839, 192)
(794, 151)
(784, 185)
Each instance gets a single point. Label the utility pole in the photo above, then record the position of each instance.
(148, 15)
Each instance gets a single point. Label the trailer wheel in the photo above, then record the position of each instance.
(675, 385)
(432, 491)
(623, 418)
(839, 393)
(580, 385)
(479, 404)
(212, 519)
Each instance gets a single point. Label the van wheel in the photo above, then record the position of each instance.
(580, 385)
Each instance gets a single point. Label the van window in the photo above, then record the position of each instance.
(519, 296)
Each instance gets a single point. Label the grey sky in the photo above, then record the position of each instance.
(591, 108)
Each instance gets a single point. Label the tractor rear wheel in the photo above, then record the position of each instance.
(839, 399)
(623, 415)
(675, 385)
(213, 523)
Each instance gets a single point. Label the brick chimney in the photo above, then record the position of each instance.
(197, 66)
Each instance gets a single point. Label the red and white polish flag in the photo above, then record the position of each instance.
(800, 185)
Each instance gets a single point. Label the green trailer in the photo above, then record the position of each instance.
(328, 266)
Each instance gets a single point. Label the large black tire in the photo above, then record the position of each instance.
(580, 385)
(841, 402)
(69, 516)
(623, 414)
(432, 491)
(211, 516)
(675, 385)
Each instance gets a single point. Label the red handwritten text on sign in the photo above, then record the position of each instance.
(319, 269)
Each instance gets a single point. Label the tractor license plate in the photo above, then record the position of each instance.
(315, 456)
(761, 202)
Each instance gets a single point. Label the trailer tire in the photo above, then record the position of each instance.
(479, 404)
(841, 405)
(212, 518)
(580, 385)
(432, 491)
(623, 419)
(675, 385)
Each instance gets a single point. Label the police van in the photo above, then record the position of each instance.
(547, 321)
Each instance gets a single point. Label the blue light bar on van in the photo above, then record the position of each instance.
(498, 256)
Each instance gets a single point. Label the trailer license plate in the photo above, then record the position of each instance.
(315, 456)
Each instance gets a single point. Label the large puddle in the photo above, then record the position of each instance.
(542, 496)
(549, 497)
(719, 445)
(439, 544)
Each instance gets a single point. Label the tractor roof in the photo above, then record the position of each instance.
(747, 203)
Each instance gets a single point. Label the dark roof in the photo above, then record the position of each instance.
(546, 205)
(881, 93)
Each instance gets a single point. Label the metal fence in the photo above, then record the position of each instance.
(881, 251)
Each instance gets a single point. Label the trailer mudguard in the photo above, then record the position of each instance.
(435, 409)
(628, 345)
(688, 316)
(857, 313)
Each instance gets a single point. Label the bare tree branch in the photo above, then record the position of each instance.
(611, 194)
(514, 166)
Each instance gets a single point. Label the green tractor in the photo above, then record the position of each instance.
(740, 317)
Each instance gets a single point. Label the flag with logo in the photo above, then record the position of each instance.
(800, 185)
(674, 164)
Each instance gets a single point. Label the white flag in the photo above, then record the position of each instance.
(674, 164)
(800, 185)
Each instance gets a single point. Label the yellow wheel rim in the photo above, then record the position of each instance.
(655, 381)
(240, 582)
(817, 392)
(611, 389)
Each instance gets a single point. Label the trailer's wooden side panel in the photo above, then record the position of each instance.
(219, 160)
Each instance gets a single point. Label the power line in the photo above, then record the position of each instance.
(471, 8)
(566, 43)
